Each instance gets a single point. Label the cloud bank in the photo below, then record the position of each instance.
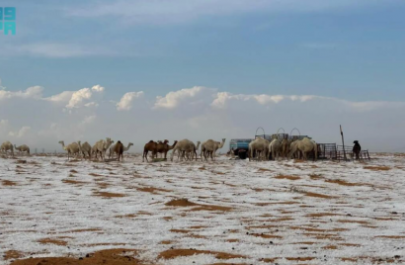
(197, 113)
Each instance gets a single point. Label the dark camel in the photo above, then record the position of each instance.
(164, 147)
(119, 150)
(150, 146)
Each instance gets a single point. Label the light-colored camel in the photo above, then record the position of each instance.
(275, 148)
(101, 147)
(149, 146)
(164, 147)
(113, 147)
(260, 146)
(294, 152)
(72, 149)
(22, 148)
(305, 146)
(7, 146)
(85, 149)
(184, 147)
(209, 148)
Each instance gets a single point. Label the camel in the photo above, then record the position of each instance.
(305, 146)
(356, 149)
(275, 148)
(285, 147)
(72, 149)
(293, 150)
(260, 146)
(184, 147)
(113, 147)
(7, 146)
(150, 146)
(119, 150)
(164, 147)
(101, 146)
(210, 147)
(22, 148)
(85, 149)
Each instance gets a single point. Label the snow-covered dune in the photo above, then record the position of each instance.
(232, 211)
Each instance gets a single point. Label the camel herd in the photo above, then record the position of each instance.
(7, 147)
(262, 149)
(98, 150)
(185, 149)
(259, 148)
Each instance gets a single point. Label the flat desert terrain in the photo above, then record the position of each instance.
(224, 212)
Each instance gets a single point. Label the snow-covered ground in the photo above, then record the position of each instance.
(285, 212)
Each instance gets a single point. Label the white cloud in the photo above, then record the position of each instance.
(21, 132)
(63, 97)
(31, 92)
(127, 100)
(82, 95)
(175, 98)
(88, 119)
(222, 99)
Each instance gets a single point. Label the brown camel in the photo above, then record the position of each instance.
(164, 147)
(119, 150)
(150, 146)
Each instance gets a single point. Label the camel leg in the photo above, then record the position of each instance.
(145, 155)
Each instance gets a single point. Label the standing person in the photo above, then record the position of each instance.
(356, 149)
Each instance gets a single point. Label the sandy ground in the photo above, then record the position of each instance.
(223, 212)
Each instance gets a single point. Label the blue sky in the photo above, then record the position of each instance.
(351, 50)
(200, 69)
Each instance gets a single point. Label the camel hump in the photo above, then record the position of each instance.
(151, 141)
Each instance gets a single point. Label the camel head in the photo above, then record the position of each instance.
(173, 145)
(222, 143)
(109, 141)
(130, 144)
(62, 143)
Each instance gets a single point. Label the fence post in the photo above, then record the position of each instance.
(343, 141)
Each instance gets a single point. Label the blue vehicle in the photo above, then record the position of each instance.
(240, 147)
